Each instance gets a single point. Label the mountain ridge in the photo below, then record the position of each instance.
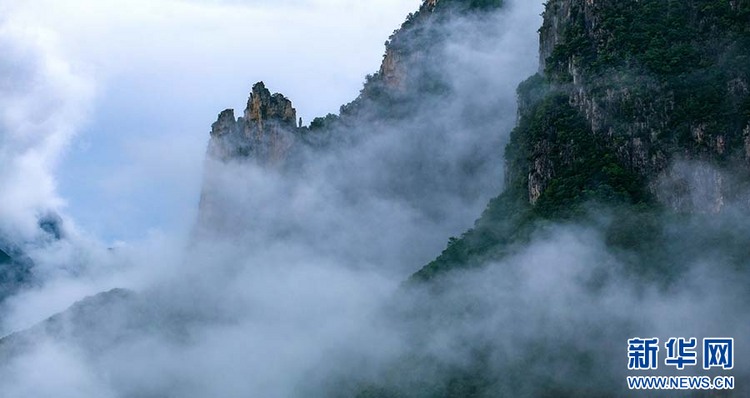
(606, 122)
(603, 130)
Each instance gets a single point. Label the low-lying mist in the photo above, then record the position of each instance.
(300, 292)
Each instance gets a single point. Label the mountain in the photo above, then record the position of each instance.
(639, 106)
(269, 130)
(624, 209)
(399, 99)
(73, 325)
(429, 120)
(660, 83)
(635, 129)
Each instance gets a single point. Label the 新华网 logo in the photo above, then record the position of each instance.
(643, 354)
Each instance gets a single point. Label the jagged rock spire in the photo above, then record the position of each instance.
(225, 124)
(265, 132)
(262, 106)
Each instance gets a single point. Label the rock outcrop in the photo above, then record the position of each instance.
(640, 106)
(412, 64)
(268, 129)
(407, 87)
(265, 133)
(650, 95)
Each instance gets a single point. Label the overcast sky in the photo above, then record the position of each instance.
(145, 79)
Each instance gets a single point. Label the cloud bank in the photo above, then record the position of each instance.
(305, 296)
(44, 102)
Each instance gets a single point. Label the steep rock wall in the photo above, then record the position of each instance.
(657, 82)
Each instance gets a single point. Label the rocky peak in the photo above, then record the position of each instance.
(265, 133)
(262, 106)
(225, 124)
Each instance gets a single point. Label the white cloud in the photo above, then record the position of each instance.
(164, 69)
(43, 102)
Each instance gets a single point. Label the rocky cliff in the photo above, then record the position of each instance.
(640, 106)
(637, 127)
(410, 71)
(659, 84)
(417, 76)
(266, 132)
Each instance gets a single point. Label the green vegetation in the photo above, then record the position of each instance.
(659, 71)
(506, 221)
(666, 37)
(678, 55)
(589, 174)
(320, 123)
(422, 33)
(664, 71)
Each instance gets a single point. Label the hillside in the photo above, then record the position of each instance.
(425, 130)
(642, 108)
(611, 193)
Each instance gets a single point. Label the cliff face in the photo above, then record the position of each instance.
(414, 42)
(640, 106)
(656, 83)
